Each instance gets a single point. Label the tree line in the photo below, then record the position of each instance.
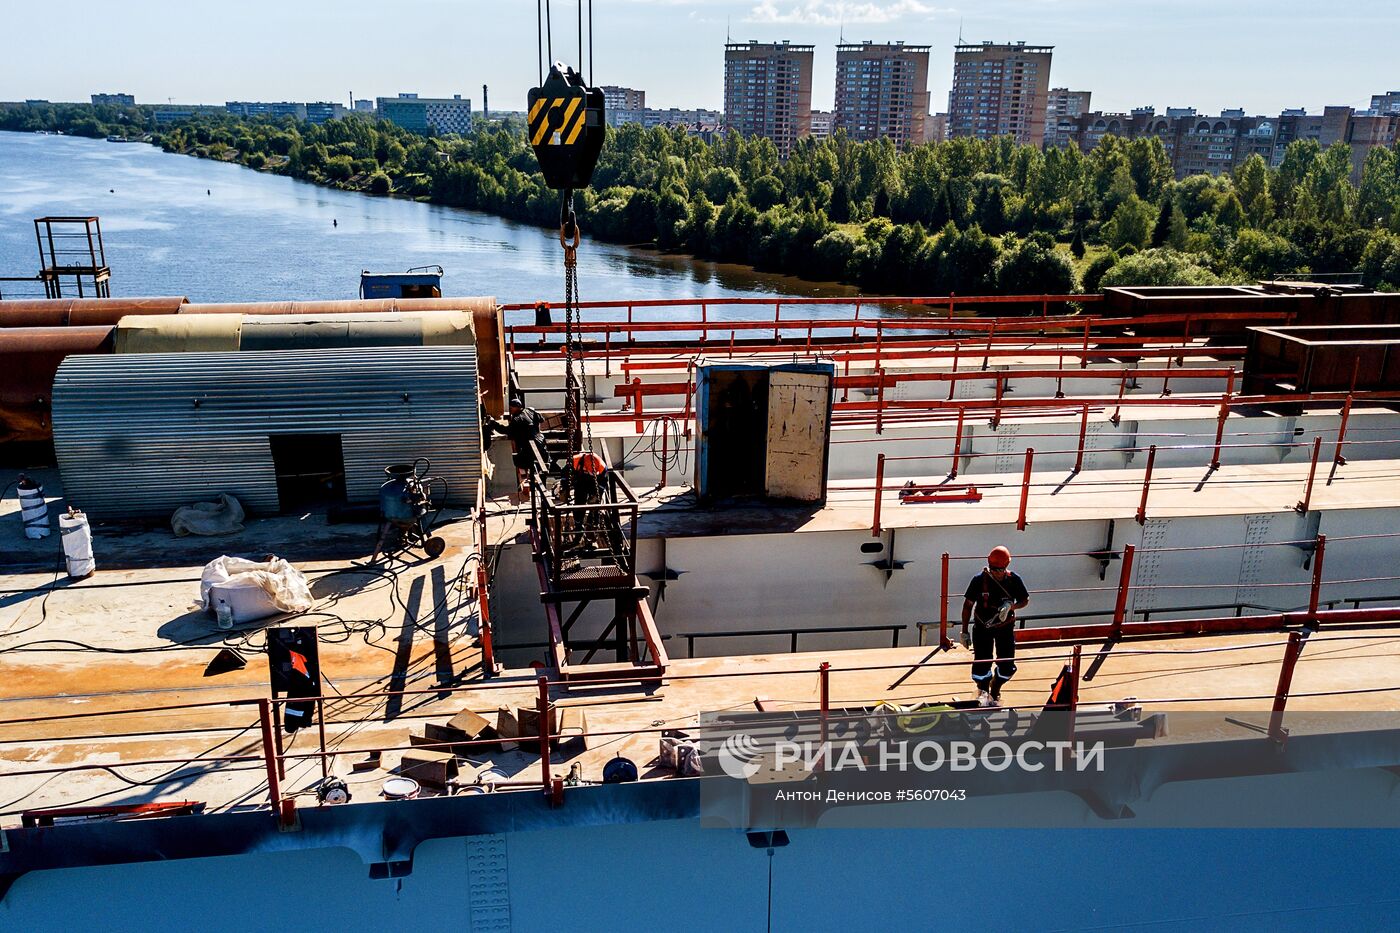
(964, 216)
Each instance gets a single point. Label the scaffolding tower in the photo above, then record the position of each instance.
(70, 250)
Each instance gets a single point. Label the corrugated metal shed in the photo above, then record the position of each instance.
(138, 435)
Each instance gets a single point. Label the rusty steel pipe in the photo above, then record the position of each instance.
(82, 312)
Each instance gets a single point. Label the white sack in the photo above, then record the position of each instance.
(254, 590)
(224, 517)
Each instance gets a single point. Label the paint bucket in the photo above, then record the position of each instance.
(400, 788)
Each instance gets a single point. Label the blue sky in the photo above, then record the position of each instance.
(1204, 53)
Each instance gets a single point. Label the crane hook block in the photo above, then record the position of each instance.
(566, 128)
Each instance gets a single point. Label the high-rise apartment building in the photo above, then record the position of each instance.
(623, 98)
(113, 100)
(768, 91)
(1000, 90)
(882, 91)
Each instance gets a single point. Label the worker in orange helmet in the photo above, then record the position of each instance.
(990, 603)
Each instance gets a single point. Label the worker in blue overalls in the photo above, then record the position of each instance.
(990, 604)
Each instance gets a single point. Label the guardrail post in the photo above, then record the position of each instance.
(1083, 433)
(1302, 506)
(1025, 490)
(957, 443)
(953, 383)
(944, 641)
(637, 402)
(879, 341)
(665, 439)
(1125, 576)
(777, 313)
(542, 704)
(1146, 484)
(270, 756)
(1314, 593)
(1118, 408)
(824, 691)
(996, 412)
(1084, 356)
(1285, 682)
(879, 494)
(880, 401)
(991, 332)
(1074, 668)
(1220, 419)
(1337, 457)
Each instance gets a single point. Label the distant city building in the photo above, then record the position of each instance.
(882, 91)
(936, 128)
(114, 100)
(821, 124)
(673, 116)
(424, 114)
(1000, 90)
(623, 98)
(768, 91)
(320, 111)
(1198, 144)
(1062, 106)
(258, 108)
(364, 106)
(35, 102)
(1389, 102)
(169, 114)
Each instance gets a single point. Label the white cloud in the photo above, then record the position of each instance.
(834, 12)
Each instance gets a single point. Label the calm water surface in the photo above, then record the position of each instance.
(257, 237)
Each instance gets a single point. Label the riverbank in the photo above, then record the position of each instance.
(204, 229)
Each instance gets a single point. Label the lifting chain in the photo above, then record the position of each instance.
(580, 431)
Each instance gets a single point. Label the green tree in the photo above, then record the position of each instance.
(1094, 272)
(1076, 245)
(1034, 267)
(1252, 188)
(379, 183)
(1158, 267)
(1130, 225)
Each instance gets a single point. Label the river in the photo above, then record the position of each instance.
(212, 231)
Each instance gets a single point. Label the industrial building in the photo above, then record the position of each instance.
(439, 115)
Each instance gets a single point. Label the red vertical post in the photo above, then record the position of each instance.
(991, 332)
(1302, 506)
(1084, 357)
(824, 693)
(637, 402)
(846, 373)
(1001, 388)
(270, 756)
(1146, 484)
(607, 351)
(879, 341)
(1285, 683)
(1060, 376)
(880, 401)
(689, 394)
(321, 728)
(1125, 577)
(879, 494)
(1083, 433)
(665, 439)
(953, 383)
(854, 321)
(1315, 591)
(957, 443)
(1221, 418)
(1074, 668)
(1118, 408)
(808, 348)
(944, 641)
(777, 313)
(483, 603)
(731, 344)
(542, 705)
(1025, 490)
(1337, 457)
